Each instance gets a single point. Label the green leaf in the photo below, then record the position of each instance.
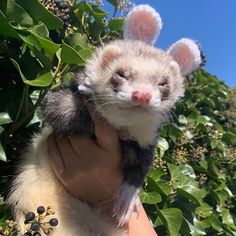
(5, 27)
(4, 118)
(229, 138)
(41, 81)
(14, 13)
(172, 219)
(163, 145)
(85, 53)
(182, 119)
(70, 56)
(227, 218)
(193, 230)
(40, 14)
(1, 200)
(2, 152)
(193, 193)
(116, 24)
(114, 3)
(150, 197)
(187, 170)
(40, 32)
(163, 187)
(77, 41)
(204, 211)
(156, 173)
(98, 13)
(214, 143)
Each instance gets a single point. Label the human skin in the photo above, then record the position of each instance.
(78, 160)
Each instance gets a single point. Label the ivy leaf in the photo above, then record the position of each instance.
(114, 3)
(99, 14)
(227, 218)
(2, 152)
(192, 230)
(77, 41)
(188, 170)
(229, 138)
(70, 56)
(204, 211)
(85, 53)
(150, 197)
(4, 118)
(116, 24)
(41, 33)
(192, 192)
(15, 13)
(1, 200)
(40, 14)
(163, 145)
(5, 27)
(172, 219)
(41, 81)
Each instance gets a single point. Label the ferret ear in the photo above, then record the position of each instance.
(187, 54)
(143, 23)
(109, 54)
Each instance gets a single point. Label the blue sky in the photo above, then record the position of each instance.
(211, 22)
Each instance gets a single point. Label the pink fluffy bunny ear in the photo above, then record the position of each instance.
(187, 54)
(143, 23)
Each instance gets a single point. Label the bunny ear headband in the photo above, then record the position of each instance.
(144, 23)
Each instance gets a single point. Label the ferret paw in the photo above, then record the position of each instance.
(127, 202)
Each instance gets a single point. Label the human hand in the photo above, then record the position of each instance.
(89, 170)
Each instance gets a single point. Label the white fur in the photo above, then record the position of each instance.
(127, 202)
(37, 185)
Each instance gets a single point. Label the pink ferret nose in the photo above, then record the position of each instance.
(141, 97)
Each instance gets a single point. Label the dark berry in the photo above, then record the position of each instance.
(53, 222)
(36, 234)
(63, 5)
(27, 234)
(41, 209)
(30, 216)
(35, 226)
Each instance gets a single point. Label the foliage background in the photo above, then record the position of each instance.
(191, 188)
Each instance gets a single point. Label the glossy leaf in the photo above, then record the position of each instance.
(5, 27)
(70, 56)
(172, 219)
(41, 81)
(14, 13)
(150, 197)
(40, 14)
(2, 151)
(116, 24)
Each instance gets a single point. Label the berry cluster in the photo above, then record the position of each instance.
(61, 9)
(37, 223)
(10, 228)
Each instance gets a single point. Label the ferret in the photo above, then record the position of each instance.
(133, 86)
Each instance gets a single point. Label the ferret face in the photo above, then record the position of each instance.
(134, 84)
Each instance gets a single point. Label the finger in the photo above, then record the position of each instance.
(107, 136)
(85, 147)
(55, 157)
(69, 157)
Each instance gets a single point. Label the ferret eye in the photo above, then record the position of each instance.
(163, 82)
(121, 74)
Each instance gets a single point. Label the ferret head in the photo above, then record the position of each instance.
(135, 83)
(132, 80)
